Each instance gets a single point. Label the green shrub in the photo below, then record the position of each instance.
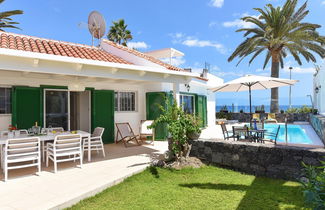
(314, 186)
(179, 125)
(303, 110)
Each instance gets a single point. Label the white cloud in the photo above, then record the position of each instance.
(295, 70)
(190, 41)
(239, 23)
(216, 3)
(176, 61)
(193, 42)
(300, 70)
(138, 45)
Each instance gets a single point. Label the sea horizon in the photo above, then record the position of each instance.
(245, 108)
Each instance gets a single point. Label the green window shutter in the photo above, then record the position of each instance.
(201, 108)
(102, 111)
(153, 100)
(26, 107)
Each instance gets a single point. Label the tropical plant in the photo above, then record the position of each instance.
(118, 32)
(6, 20)
(314, 186)
(304, 109)
(279, 31)
(180, 126)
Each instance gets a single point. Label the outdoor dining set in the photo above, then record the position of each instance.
(256, 133)
(28, 148)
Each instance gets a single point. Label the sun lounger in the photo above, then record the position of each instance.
(271, 118)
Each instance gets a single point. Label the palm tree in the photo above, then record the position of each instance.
(5, 19)
(118, 33)
(279, 31)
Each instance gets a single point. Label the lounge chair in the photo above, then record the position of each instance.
(147, 132)
(271, 118)
(227, 134)
(256, 117)
(126, 133)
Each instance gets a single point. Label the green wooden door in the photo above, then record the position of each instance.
(26, 107)
(153, 100)
(102, 111)
(201, 108)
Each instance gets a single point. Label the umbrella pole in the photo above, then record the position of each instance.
(250, 106)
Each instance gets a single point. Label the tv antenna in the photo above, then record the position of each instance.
(96, 26)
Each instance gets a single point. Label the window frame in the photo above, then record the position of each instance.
(7, 87)
(181, 95)
(118, 105)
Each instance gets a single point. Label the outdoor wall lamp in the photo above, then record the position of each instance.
(188, 87)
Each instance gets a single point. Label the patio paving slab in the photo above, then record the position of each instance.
(47, 190)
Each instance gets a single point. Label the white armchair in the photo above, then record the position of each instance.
(64, 148)
(21, 153)
(96, 141)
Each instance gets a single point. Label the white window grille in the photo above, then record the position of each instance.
(125, 101)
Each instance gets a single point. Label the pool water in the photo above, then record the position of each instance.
(296, 134)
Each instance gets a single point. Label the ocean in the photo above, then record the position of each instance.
(245, 108)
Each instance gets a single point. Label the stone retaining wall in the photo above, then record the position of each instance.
(244, 117)
(273, 161)
(318, 123)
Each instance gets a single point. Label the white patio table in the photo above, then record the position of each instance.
(50, 137)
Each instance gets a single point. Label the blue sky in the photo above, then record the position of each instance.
(204, 30)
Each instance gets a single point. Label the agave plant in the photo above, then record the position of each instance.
(279, 31)
(6, 20)
(118, 33)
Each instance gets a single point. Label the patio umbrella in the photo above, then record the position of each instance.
(252, 82)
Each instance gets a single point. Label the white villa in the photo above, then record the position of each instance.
(79, 87)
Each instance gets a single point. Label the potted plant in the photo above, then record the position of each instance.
(182, 128)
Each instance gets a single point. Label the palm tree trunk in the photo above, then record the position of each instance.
(275, 91)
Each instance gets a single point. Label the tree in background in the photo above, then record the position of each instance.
(118, 32)
(279, 31)
(6, 20)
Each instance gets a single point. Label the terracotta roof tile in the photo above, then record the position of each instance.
(46, 46)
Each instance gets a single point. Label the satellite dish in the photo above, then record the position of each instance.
(96, 25)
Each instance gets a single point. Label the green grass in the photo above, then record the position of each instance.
(205, 188)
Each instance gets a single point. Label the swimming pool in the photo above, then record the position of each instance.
(296, 133)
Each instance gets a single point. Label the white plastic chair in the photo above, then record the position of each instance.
(96, 141)
(145, 131)
(64, 148)
(21, 153)
(44, 143)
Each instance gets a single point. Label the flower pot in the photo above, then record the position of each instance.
(193, 135)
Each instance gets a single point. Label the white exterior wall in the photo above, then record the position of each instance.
(5, 121)
(319, 98)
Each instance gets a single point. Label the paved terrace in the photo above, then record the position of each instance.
(25, 190)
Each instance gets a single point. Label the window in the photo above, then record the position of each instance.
(5, 100)
(125, 101)
(187, 102)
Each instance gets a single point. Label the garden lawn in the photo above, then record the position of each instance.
(204, 188)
